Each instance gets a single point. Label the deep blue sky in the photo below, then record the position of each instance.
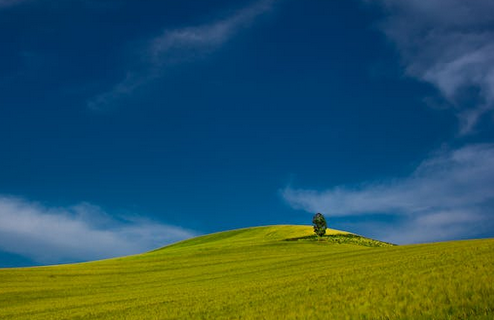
(202, 116)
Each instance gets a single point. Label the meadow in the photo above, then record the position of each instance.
(255, 273)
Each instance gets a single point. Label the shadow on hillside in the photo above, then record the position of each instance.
(344, 239)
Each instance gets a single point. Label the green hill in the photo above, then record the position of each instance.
(255, 273)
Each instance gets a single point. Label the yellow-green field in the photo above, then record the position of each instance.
(255, 274)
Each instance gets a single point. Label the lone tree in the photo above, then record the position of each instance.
(319, 224)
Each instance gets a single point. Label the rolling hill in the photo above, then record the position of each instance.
(256, 273)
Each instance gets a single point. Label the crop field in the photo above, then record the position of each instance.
(256, 274)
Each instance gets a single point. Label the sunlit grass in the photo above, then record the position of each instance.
(253, 273)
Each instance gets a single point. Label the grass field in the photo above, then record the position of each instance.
(255, 274)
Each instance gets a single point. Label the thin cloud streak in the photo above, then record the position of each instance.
(451, 193)
(83, 232)
(449, 44)
(9, 3)
(179, 46)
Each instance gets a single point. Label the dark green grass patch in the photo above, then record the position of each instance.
(344, 239)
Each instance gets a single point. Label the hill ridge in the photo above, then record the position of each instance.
(253, 274)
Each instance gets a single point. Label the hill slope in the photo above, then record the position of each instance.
(254, 273)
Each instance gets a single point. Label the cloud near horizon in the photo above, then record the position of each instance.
(51, 235)
(449, 44)
(449, 196)
(180, 45)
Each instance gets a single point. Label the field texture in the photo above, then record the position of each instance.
(256, 274)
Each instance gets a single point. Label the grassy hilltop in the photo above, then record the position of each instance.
(255, 273)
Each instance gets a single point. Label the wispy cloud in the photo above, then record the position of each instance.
(77, 233)
(8, 3)
(179, 46)
(448, 43)
(450, 195)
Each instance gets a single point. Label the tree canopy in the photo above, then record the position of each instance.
(319, 224)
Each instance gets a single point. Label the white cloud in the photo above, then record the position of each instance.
(448, 43)
(450, 195)
(189, 42)
(78, 233)
(179, 46)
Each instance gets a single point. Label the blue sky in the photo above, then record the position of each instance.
(127, 125)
